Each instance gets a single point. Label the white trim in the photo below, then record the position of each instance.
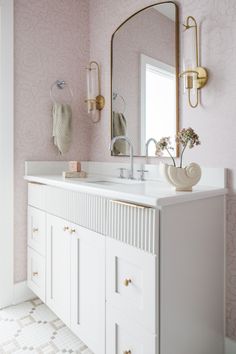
(6, 153)
(22, 293)
(230, 346)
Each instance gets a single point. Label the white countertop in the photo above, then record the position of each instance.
(151, 193)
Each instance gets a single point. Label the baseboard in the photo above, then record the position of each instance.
(230, 346)
(22, 293)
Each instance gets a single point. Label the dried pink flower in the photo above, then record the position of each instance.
(186, 137)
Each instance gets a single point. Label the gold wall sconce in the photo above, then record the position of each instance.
(195, 77)
(95, 101)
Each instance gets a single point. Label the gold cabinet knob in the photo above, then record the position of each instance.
(72, 231)
(126, 283)
(65, 228)
(35, 274)
(35, 230)
(127, 352)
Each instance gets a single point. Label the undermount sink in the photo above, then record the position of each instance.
(112, 181)
(103, 182)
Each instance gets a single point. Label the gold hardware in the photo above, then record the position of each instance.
(97, 102)
(100, 102)
(35, 230)
(35, 274)
(195, 78)
(72, 231)
(65, 228)
(139, 206)
(127, 282)
(127, 352)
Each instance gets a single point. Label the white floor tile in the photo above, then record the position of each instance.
(31, 327)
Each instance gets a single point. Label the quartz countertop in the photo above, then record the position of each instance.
(150, 193)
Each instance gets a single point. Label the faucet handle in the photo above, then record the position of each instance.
(122, 169)
(142, 173)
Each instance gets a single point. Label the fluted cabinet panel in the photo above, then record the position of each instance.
(83, 209)
(134, 225)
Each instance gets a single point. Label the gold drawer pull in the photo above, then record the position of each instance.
(72, 231)
(126, 283)
(127, 352)
(133, 205)
(35, 274)
(65, 228)
(35, 229)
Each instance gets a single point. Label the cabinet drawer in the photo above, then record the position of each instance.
(36, 273)
(36, 230)
(126, 337)
(132, 283)
(135, 225)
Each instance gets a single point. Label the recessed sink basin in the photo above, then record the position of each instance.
(111, 181)
(103, 182)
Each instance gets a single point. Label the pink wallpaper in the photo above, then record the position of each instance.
(214, 120)
(51, 42)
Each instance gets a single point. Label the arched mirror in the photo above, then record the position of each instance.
(144, 78)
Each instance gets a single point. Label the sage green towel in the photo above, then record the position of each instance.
(119, 126)
(62, 126)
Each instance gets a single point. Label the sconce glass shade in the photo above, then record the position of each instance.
(91, 90)
(95, 101)
(194, 76)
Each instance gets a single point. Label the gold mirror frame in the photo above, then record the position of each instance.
(176, 60)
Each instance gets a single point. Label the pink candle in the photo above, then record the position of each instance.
(74, 166)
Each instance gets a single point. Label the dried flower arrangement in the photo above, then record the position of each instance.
(185, 137)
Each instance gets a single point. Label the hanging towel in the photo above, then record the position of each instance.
(62, 129)
(119, 126)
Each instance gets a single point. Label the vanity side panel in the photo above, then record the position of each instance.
(192, 277)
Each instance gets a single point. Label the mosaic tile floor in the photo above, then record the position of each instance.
(31, 327)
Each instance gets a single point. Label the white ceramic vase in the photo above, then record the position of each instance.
(183, 179)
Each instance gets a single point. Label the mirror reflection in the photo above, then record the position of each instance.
(144, 71)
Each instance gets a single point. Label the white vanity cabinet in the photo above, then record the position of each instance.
(131, 283)
(88, 287)
(58, 267)
(132, 299)
(69, 275)
(76, 279)
(36, 270)
(128, 278)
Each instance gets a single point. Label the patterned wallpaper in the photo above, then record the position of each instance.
(214, 120)
(51, 42)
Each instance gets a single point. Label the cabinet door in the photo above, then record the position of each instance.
(58, 267)
(36, 229)
(131, 283)
(36, 273)
(88, 287)
(125, 336)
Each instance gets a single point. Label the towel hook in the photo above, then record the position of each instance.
(61, 84)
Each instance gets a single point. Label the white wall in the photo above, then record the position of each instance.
(6, 152)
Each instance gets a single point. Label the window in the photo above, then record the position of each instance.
(158, 101)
